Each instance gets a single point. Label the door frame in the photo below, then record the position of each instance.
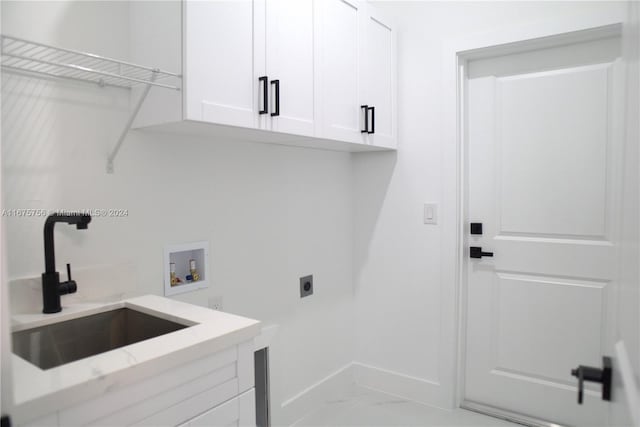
(456, 55)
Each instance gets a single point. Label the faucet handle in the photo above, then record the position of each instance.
(68, 287)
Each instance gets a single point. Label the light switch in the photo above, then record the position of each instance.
(430, 213)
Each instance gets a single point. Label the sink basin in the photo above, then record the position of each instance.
(64, 342)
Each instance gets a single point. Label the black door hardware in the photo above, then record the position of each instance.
(5, 421)
(277, 83)
(476, 252)
(476, 228)
(365, 108)
(596, 375)
(265, 95)
(373, 119)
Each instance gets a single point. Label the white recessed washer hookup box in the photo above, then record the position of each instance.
(186, 267)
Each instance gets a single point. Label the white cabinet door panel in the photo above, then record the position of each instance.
(378, 77)
(339, 70)
(290, 55)
(222, 61)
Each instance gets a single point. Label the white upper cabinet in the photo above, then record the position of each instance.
(250, 63)
(339, 69)
(281, 71)
(358, 71)
(223, 57)
(378, 78)
(290, 56)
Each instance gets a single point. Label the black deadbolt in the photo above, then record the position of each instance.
(476, 228)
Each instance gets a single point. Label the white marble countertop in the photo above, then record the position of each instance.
(39, 392)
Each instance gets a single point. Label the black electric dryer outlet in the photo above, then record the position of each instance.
(306, 286)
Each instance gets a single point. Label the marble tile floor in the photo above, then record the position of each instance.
(371, 408)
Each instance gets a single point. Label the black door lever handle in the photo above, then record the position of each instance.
(596, 375)
(476, 252)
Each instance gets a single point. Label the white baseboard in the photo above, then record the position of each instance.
(334, 386)
(394, 383)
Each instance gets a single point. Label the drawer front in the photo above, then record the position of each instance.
(226, 414)
(238, 411)
(183, 411)
(175, 406)
(171, 397)
(140, 400)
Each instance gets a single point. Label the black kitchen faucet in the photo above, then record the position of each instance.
(51, 286)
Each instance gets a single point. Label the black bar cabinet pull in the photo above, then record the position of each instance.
(365, 108)
(373, 119)
(265, 95)
(277, 83)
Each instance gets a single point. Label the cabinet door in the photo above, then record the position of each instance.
(378, 56)
(290, 55)
(223, 59)
(339, 70)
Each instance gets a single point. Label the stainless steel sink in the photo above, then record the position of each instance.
(60, 343)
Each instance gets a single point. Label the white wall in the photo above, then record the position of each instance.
(271, 214)
(404, 312)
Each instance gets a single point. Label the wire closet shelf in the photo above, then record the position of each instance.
(30, 57)
(39, 59)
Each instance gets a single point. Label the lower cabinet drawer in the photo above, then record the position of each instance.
(239, 411)
(182, 395)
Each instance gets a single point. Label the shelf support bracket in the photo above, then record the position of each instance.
(127, 127)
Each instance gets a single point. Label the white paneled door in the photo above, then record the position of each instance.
(543, 163)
